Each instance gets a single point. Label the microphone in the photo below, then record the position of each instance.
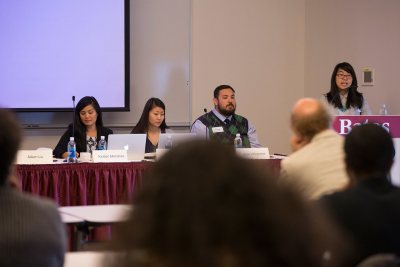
(205, 111)
(73, 116)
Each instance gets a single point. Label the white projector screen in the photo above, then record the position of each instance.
(51, 50)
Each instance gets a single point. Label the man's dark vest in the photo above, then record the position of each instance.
(238, 124)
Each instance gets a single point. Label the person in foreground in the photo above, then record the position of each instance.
(152, 123)
(222, 123)
(316, 166)
(88, 128)
(31, 231)
(343, 97)
(369, 209)
(202, 205)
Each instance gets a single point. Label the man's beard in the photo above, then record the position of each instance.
(226, 112)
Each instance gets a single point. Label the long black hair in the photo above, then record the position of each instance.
(142, 125)
(80, 128)
(354, 98)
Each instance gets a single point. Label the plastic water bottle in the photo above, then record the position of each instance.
(238, 141)
(71, 150)
(383, 110)
(102, 143)
(168, 145)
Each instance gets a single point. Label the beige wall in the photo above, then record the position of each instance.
(363, 32)
(256, 46)
(276, 51)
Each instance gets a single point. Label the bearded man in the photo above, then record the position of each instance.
(222, 123)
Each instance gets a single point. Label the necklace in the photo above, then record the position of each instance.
(91, 143)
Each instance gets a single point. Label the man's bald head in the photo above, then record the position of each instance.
(309, 117)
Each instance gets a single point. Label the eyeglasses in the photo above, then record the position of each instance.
(341, 76)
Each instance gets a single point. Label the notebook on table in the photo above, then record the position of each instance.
(176, 138)
(135, 145)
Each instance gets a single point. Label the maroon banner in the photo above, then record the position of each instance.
(344, 124)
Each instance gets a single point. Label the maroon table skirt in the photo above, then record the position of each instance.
(83, 183)
(80, 184)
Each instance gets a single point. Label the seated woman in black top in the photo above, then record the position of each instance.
(152, 123)
(88, 128)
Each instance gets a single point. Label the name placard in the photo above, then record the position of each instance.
(110, 155)
(253, 153)
(35, 156)
(160, 152)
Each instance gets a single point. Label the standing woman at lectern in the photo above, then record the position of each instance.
(88, 128)
(343, 97)
(152, 123)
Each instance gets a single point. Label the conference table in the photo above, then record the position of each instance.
(84, 218)
(82, 184)
(79, 184)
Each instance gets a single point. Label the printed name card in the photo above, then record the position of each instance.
(160, 152)
(110, 155)
(35, 157)
(253, 153)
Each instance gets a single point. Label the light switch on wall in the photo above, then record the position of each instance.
(368, 76)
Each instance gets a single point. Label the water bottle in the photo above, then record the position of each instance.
(102, 143)
(71, 150)
(238, 141)
(168, 145)
(383, 110)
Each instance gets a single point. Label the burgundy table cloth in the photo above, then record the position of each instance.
(77, 184)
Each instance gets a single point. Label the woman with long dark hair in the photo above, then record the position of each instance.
(88, 128)
(152, 123)
(343, 96)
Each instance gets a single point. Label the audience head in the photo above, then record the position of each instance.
(87, 113)
(224, 100)
(153, 115)
(10, 139)
(369, 152)
(202, 205)
(309, 117)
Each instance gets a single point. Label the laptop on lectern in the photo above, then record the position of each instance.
(135, 144)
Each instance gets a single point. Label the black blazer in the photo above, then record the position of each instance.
(369, 214)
